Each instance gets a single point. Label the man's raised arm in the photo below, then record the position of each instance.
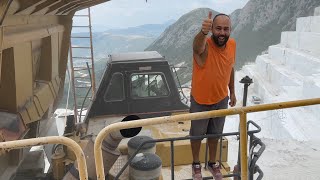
(199, 42)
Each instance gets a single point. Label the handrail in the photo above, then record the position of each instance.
(184, 138)
(242, 111)
(51, 140)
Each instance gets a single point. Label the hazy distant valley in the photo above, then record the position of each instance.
(106, 42)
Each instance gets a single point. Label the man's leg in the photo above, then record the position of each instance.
(213, 166)
(215, 126)
(213, 143)
(197, 128)
(195, 148)
(196, 166)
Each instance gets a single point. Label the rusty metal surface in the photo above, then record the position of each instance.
(4, 6)
(44, 7)
(1, 42)
(11, 126)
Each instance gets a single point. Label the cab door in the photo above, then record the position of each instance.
(115, 97)
(111, 98)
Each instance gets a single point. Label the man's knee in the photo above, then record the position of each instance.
(213, 140)
(195, 142)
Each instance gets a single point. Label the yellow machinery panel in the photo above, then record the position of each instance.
(33, 113)
(182, 152)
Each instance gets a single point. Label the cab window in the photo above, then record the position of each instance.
(115, 90)
(148, 85)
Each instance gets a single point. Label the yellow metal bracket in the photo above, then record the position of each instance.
(7, 146)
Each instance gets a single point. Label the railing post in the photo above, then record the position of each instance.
(172, 159)
(243, 146)
(98, 153)
(246, 81)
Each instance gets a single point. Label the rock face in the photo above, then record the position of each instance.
(255, 27)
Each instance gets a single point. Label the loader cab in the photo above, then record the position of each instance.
(139, 83)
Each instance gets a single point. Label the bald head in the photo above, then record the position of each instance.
(221, 19)
(220, 15)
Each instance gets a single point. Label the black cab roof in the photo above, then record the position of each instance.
(135, 56)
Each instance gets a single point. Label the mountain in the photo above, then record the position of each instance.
(108, 43)
(255, 27)
(260, 23)
(99, 28)
(153, 30)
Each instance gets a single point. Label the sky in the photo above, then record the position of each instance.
(130, 13)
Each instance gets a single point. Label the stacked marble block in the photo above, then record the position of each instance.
(295, 62)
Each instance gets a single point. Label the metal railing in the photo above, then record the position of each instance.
(254, 157)
(242, 111)
(18, 144)
(172, 140)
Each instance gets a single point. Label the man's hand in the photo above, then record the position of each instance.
(233, 100)
(207, 24)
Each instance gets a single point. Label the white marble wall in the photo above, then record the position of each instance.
(291, 67)
(317, 11)
(308, 24)
(311, 89)
(304, 41)
(300, 62)
(290, 71)
(275, 74)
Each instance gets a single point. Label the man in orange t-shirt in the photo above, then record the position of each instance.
(212, 85)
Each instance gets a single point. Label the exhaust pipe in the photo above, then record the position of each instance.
(110, 152)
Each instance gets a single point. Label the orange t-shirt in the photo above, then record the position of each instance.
(210, 82)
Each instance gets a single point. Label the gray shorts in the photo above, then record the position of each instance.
(207, 126)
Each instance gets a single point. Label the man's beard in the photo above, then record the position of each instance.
(219, 42)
